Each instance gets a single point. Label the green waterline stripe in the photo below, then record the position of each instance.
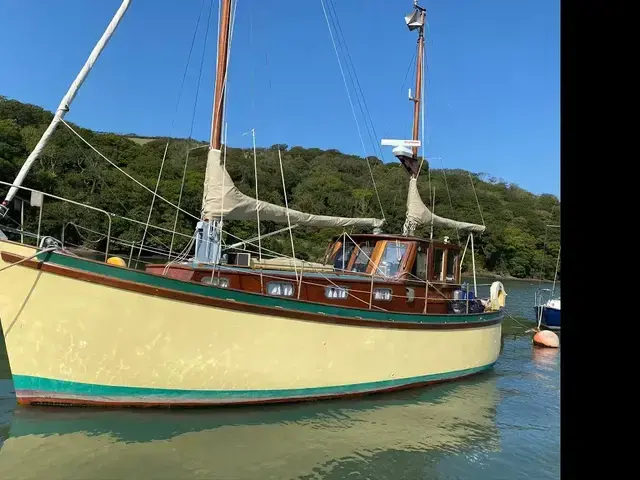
(257, 299)
(60, 387)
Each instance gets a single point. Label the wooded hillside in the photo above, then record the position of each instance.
(318, 181)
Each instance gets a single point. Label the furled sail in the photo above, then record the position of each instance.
(223, 199)
(419, 214)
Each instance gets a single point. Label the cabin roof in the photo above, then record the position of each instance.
(402, 238)
(381, 236)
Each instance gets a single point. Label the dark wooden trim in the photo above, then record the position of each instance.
(375, 257)
(331, 251)
(401, 238)
(448, 246)
(232, 304)
(380, 236)
(407, 261)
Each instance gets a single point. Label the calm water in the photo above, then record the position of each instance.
(500, 425)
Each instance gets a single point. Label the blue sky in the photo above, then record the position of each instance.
(493, 84)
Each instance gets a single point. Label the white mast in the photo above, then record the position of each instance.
(63, 108)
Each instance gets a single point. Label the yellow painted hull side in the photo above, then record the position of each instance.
(89, 340)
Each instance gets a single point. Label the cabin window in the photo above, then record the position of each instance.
(342, 255)
(280, 289)
(391, 258)
(221, 282)
(452, 260)
(336, 292)
(382, 294)
(438, 253)
(419, 269)
(365, 249)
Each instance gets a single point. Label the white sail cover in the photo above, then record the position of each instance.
(418, 213)
(223, 199)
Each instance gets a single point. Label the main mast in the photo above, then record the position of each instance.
(221, 75)
(208, 234)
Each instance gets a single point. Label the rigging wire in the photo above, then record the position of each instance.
(281, 163)
(106, 184)
(113, 164)
(555, 275)
(422, 127)
(255, 173)
(355, 117)
(425, 63)
(286, 205)
(411, 69)
(544, 251)
(13, 220)
(477, 201)
(355, 82)
(446, 184)
(224, 167)
(173, 121)
(193, 118)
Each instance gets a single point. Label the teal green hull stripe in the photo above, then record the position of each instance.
(261, 300)
(45, 387)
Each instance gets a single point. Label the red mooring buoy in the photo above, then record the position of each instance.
(546, 338)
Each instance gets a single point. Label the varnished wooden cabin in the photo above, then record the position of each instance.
(387, 272)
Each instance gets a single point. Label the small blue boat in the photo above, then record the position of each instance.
(547, 312)
(545, 303)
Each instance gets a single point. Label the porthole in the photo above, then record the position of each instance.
(336, 292)
(280, 289)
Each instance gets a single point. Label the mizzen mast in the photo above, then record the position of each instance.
(409, 158)
(416, 21)
(407, 150)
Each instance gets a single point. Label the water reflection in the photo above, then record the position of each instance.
(546, 358)
(384, 436)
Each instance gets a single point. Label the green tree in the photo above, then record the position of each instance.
(516, 242)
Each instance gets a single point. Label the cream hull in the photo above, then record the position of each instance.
(81, 340)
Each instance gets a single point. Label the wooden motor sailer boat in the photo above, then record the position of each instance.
(381, 312)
